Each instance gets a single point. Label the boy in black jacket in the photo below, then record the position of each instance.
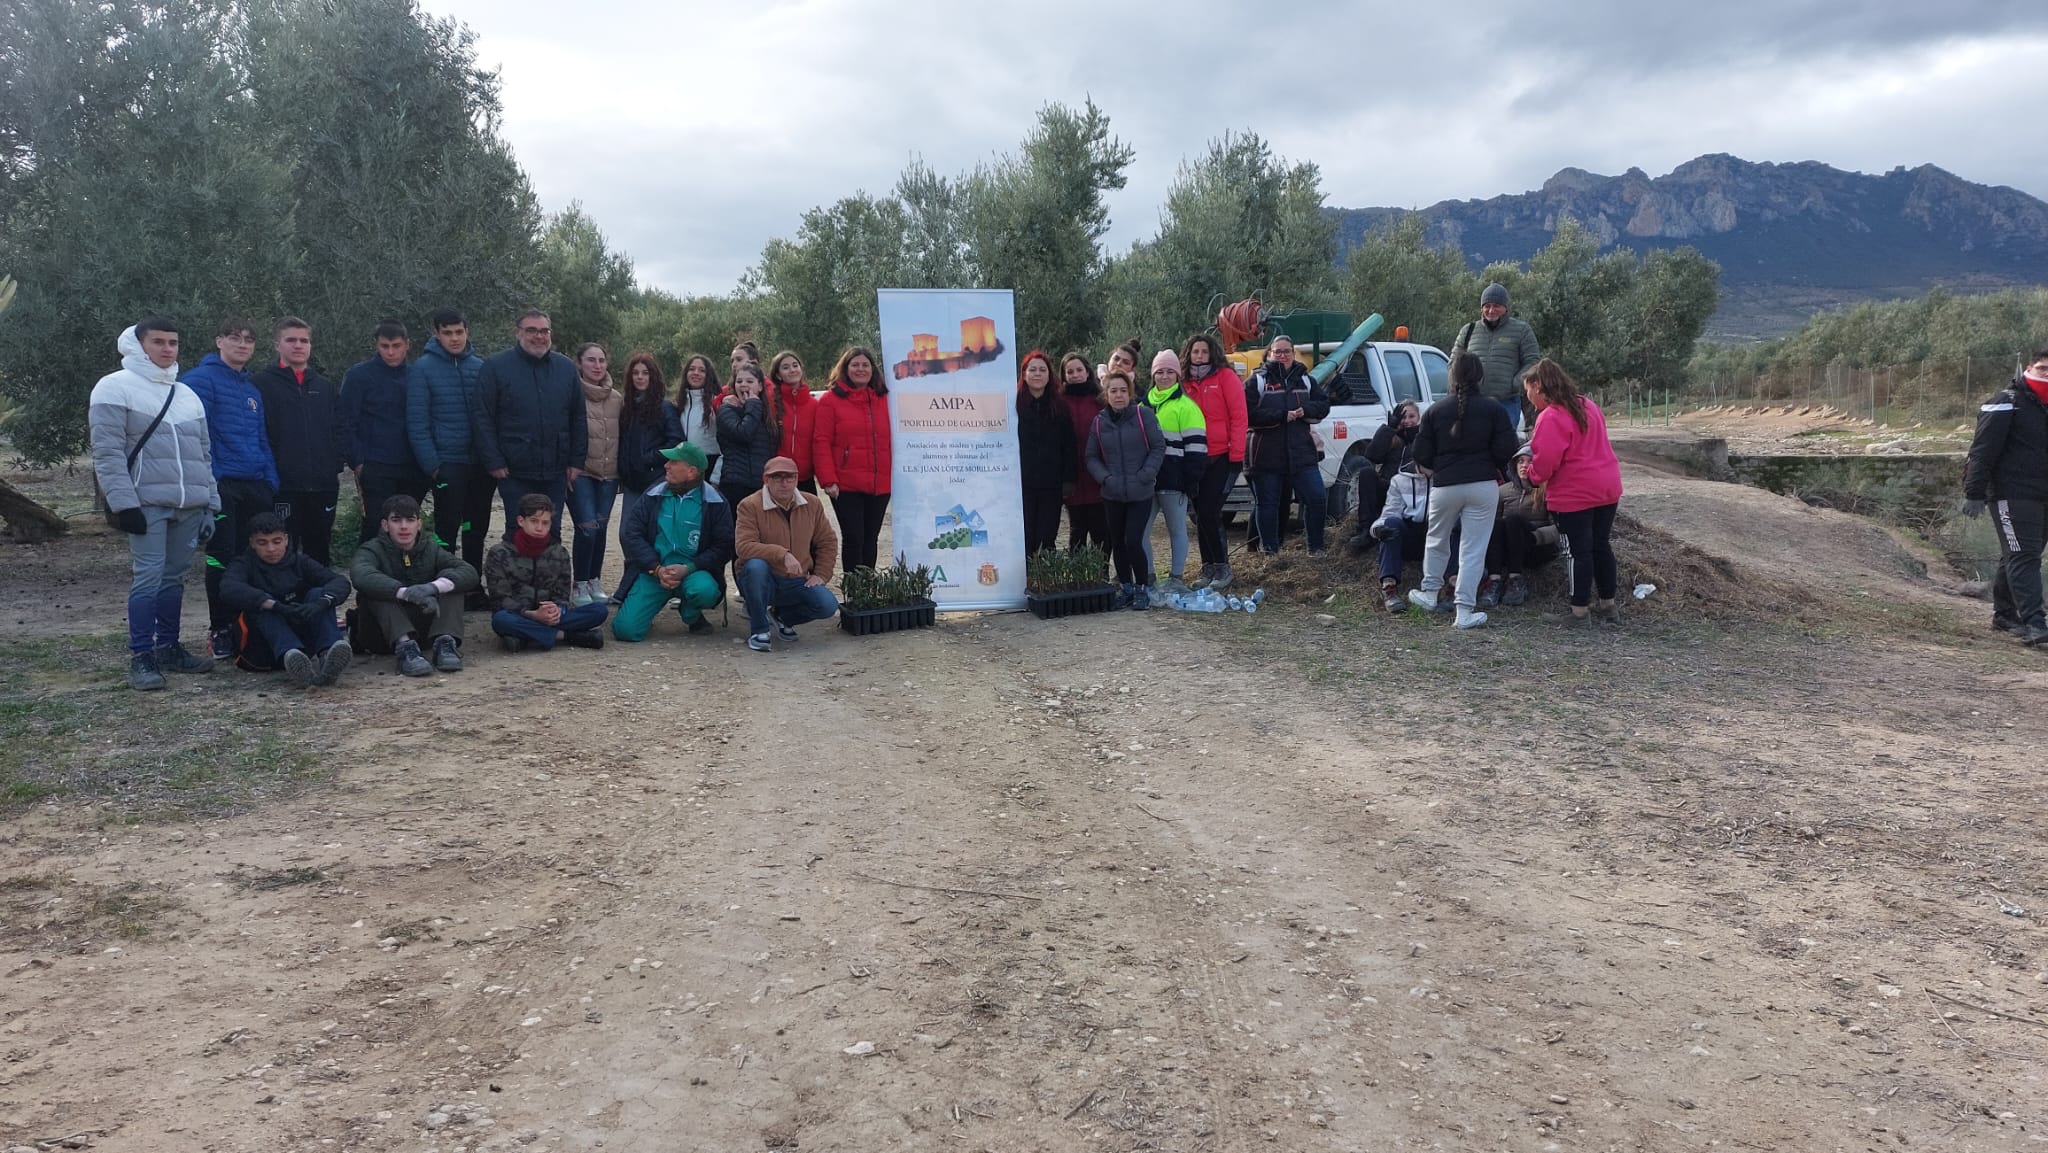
(287, 601)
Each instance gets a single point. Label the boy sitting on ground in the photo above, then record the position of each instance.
(411, 588)
(286, 600)
(528, 577)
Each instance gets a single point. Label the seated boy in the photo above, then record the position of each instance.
(286, 599)
(411, 588)
(528, 578)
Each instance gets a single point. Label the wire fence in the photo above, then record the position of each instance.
(1923, 390)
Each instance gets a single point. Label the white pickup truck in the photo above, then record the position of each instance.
(1378, 375)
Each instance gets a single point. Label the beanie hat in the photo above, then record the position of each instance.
(1167, 358)
(1494, 294)
(688, 453)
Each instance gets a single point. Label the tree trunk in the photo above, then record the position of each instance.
(27, 521)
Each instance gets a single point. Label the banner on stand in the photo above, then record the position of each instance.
(957, 500)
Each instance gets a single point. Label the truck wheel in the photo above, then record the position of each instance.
(1346, 484)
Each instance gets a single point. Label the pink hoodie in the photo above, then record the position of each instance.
(1578, 466)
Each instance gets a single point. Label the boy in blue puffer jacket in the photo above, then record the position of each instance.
(440, 403)
(243, 468)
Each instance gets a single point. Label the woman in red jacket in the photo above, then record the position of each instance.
(850, 451)
(1214, 385)
(795, 409)
(1569, 456)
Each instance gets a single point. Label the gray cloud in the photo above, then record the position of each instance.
(696, 132)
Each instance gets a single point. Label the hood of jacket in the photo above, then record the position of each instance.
(596, 393)
(138, 362)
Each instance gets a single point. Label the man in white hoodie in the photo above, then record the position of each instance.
(152, 457)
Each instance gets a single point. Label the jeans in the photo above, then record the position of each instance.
(271, 636)
(462, 510)
(590, 502)
(379, 483)
(1175, 506)
(511, 488)
(1468, 509)
(1218, 480)
(644, 600)
(860, 529)
(1308, 488)
(794, 601)
(2016, 588)
(1041, 520)
(1589, 530)
(582, 618)
(1410, 543)
(309, 520)
(158, 561)
(1127, 520)
(240, 500)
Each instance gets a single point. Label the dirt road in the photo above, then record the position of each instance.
(1124, 882)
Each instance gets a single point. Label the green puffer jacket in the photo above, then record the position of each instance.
(1506, 352)
(516, 583)
(381, 568)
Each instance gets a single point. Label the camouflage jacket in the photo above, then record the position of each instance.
(516, 584)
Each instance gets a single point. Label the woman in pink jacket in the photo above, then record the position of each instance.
(1571, 459)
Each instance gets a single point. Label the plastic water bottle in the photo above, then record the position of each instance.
(1251, 607)
(1258, 596)
(1234, 603)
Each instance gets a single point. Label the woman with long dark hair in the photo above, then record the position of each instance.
(747, 435)
(850, 448)
(649, 424)
(1571, 459)
(1213, 384)
(1464, 442)
(1085, 520)
(795, 414)
(697, 409)
(1045, 450)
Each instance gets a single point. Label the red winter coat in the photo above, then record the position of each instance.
(1221, 395)
(1083, 406)
(796, 418)
(850, 440)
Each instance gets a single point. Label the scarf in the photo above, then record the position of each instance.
(596, 393)
(2038, 384)
(1200, 371)
(530, 547)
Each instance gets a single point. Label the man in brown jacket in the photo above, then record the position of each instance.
(786, 549)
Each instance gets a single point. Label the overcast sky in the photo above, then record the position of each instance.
(694, 131)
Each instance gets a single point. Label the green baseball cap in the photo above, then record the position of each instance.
(688, 453)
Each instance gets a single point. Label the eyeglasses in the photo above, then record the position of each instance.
(781, 476)
(537, 331)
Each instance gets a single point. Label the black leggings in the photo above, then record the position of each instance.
(1589, 530)
(1127, 539)
(860, 527)
(1041, 520)
(1217, 481)
(1086, 524)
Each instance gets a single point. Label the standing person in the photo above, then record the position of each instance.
(648, 424)
(785, 552)
(153, 461)
(528, 578)
(747, 435)
(1086, 523)
(594, 489)
(697, 409)
(1506, 348)
(1126, 449)
(373, 402)
(440, 410)
(288, 600)
(411, 589)
(309, 437)
(244, 472)
(2008, 465)
(1123, 358)
(1045, 451)
(795, 414)
(529, 429)
(1187, 458)
(1282, 404)
(1464, 441)
(1572, 461)
(850, 448)
(676, 546)
(1214, 385)
(746, 352)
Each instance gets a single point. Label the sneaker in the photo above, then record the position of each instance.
(597, 594)
(760, 642)
(1489, 592)
(1171, 587)
(1427, 601)
(221, 643)
(299, 667)
(175, 658)
(1222, 578)
(1141, 600)
(579, 594)
(1125, 594)
(1516, 591)
(1390, 592)
(587, 639)
(447, 654)
(143, 675)
(512, 644)
(1202, 582)
(410, 662)
(699, 625)
(334, 661)
(1468, 618)
(786, 632)
(1318, 553)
